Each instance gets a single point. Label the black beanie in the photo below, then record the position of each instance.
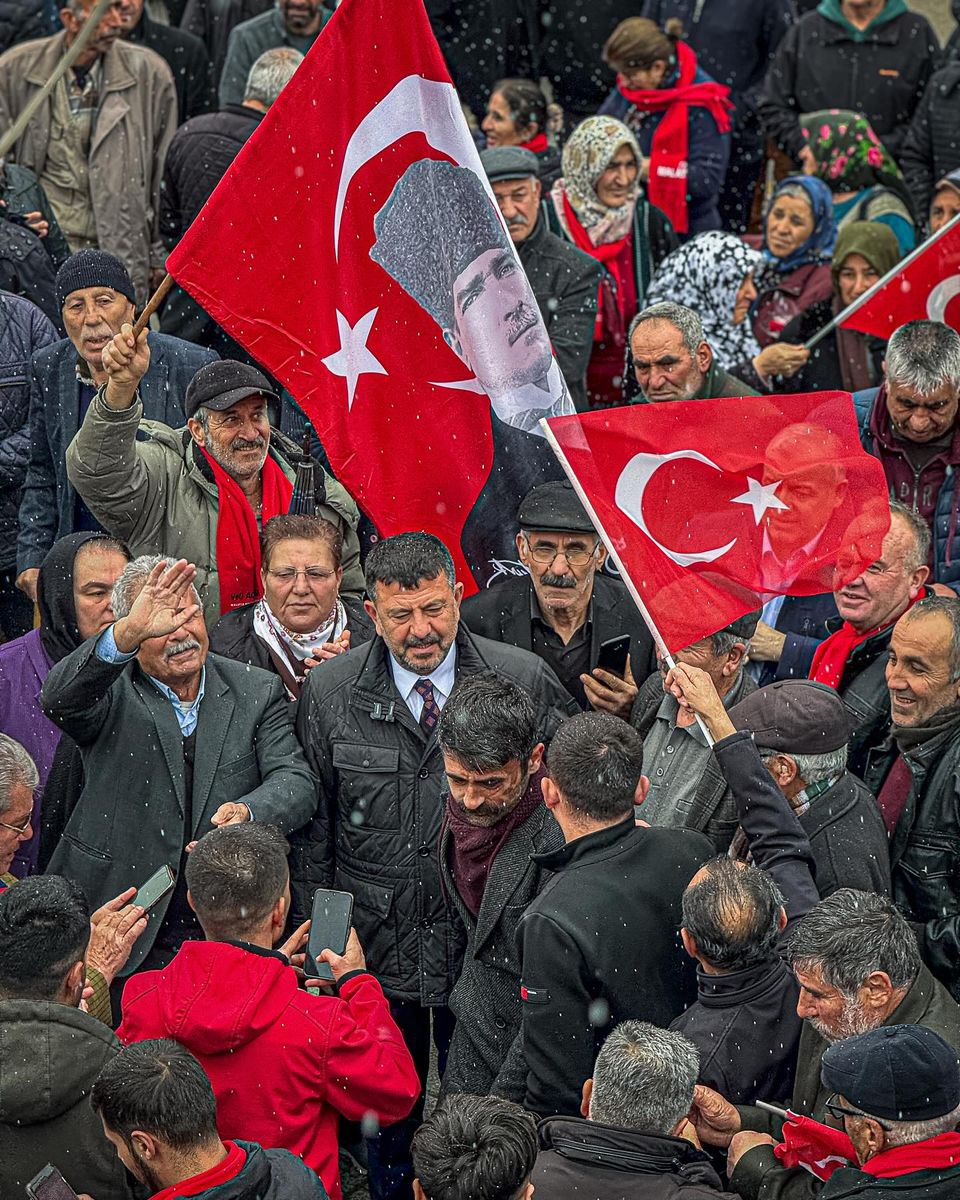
(93, 268)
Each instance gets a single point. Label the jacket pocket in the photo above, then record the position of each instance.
(375, 922)
(244, 763)
(83, 848)
(369, 791)
(928, 870)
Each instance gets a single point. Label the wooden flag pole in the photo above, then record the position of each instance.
(153, 304)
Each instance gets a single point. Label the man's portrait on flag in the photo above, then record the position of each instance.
(440, 237)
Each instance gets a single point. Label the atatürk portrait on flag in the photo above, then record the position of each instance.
(440, 237)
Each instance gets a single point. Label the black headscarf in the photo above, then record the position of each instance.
(58, 615)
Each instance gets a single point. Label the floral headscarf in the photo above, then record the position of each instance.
(819, 245)
(705, 275)
(589, 151)
(849, 154)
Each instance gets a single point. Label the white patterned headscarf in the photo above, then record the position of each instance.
(591, 148)
(705, 274)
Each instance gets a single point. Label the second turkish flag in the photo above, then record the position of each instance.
(710, 507)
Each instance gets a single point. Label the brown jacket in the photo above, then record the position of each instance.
(133, 128)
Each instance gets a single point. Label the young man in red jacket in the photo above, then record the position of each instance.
(285, 1063)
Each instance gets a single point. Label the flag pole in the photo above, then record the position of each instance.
(611, 550)
(872, 291)
(153, 304)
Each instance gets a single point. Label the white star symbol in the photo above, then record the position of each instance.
(353, 359)
(760, 497)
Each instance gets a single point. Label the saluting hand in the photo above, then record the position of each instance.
(164, 604)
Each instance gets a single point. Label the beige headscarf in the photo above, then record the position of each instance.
(591, 148)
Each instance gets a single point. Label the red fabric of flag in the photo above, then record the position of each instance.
(926, 289)
(816, 1148)
(355, 249)
(713, 506)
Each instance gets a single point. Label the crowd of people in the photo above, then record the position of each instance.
(620, 926)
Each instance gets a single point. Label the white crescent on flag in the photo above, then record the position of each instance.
(940, 297)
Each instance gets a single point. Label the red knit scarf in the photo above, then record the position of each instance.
(238, 539)
(198, 1185)
(670, 151)
(935, 1154)
(538, 144)
(830, 658)
(609, 254)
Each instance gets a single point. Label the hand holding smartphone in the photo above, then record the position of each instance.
(156, 887)
(330, 922)
(49, 1184)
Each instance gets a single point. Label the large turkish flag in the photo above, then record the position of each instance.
(927, 288)
(710, 507)
(355, 249)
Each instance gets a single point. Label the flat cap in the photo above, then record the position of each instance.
(221, 385)
(509, 162)
(896, 1073)
(796, 716)
(554, 506)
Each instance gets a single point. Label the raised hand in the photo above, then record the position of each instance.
(125, 360)
(714, 1118)
(116, 925)
(166, 602)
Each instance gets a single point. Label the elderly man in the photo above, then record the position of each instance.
(368, 721)
(183, 52)
(205, 490)
(564, 279)
(98, 141)
(564, 608)
(21, 779)
(599, 942)
(96, 296)
(897, 1091)
(212, 738)
(858, 967)
(687, 786)
(671, 360)
(910, 424)
(853, 658)
(292, 23)
(636, 1140)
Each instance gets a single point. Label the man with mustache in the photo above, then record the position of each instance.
(293, 23)
(204, 491)
(563, 278)
(173, 740)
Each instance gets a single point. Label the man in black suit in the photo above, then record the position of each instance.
(563, 608)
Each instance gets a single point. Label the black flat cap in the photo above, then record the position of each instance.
(509, 162)
(223, 384)
(554, 506)
(794, 715)
(896, 1073)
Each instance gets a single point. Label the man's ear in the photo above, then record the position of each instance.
(785, 769)
(536, 758)
(876, 991)
(450, 337)
(196, 430)
(643, 787)
(782, 919)
(278, 915)
(704, 357)
(689, 942)
(193, 907)
(917, 579)
(537, 189)
(735, 658)
(75, 979)
(144, 1145)
(551, 794)
(371, 610)
(585, 1094)
(418, 1192)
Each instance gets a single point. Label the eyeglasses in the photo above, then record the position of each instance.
(545, 555)
(837, 1110)
(311, 574)
(19, 829)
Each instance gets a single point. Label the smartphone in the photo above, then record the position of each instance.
(156, 887)
(330, 923)
(49, 1184)
(614, 654)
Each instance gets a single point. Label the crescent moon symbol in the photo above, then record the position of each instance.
(629, 499)
(414, 105)
(941, 296)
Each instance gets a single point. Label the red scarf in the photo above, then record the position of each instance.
(669, 153)
(223, 1172)
(538, 144)
(610, 255)
(935, 1154)
(830, 658)
(238, 540)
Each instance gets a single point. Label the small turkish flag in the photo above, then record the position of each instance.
(924, 287)
(355, 249)
(815, 1147)
(710, 507)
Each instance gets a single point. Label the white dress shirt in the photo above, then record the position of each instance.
(442, 678)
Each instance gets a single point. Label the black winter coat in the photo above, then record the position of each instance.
(268, 1175)
(931, 148)
(600, 944)
(26, 269)
(863, 689)
(848, 838)
(23, 193)
(186, 56)
(377, 824)
(819, 65)
(21, 20)
(23, 329)
(584, 1160)
(212, 20)
(822, 372)
(851, 1184)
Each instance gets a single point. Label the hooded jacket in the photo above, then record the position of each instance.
(285, 1065)
(50, 1055)
(265, 1175)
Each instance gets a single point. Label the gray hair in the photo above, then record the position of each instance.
(271, 73)
(920, 530)
(924, 356)
(949, 607)
(132, 579)
(723, 642)
(850, 935)
(812, 768)
(795, 191)
(683, 319)
(905, 1133)
(16, 766)
(644, 1078)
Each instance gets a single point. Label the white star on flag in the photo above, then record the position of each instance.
(760, 497)
(353, 359)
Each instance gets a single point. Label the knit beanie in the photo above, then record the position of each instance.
(93, 268)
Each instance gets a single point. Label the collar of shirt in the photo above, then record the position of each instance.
(186, 714)
(83, 372)
(670, 707)
(795, 562)
(442, 678)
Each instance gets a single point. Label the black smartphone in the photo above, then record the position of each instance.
(330, 923)
(156, 887)
(49, 1184)
(614, 654)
